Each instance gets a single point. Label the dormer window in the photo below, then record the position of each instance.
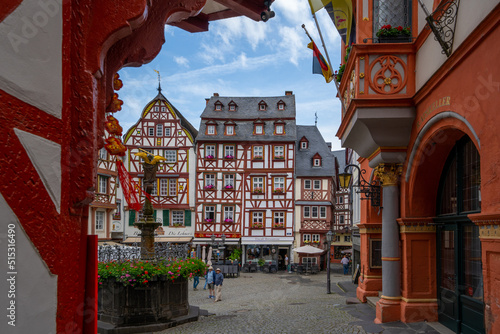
(304, 144)
(317, 160)
(262, 106)
(232, 106)
(281, 105)
(279, 128)
(258, 127)
(229, 130)
(218, 106)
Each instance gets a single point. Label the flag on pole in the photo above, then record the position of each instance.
(320, 66)
(129, 187)
(341, 14)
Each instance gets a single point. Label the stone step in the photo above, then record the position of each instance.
(372, 301)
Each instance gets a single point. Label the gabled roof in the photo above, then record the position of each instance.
(317, 146)
(160, 97)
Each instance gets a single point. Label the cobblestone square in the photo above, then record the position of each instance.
(285, 303)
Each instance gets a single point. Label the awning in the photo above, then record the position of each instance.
(309, 250)
(159, 239)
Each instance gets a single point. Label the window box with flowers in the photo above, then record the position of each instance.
(209, 220)
(257, 225)
(228, 220)
(278, 191)
(258, 157)
(209, 157)
(388, 34)
(178, 225)
(279, 225)
(229, 156)
(228, 187)
(210, 187)
(258, 191)
(279, 157)
(316, 242)
(307, 241)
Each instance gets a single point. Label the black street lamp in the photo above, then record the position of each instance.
(370, 190)
(329, 238)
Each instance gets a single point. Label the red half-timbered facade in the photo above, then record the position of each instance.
(315, 196)
(163, 131)
(245, 173)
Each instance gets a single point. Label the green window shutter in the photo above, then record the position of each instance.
(131, 217)
(166, 216)
(187, 217)
(154, 214)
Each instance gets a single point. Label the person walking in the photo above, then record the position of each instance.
(196, 282)
(210, 282)
(345, 263)
(287, 263)
(219, 278)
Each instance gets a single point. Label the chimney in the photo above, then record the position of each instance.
(288, 92)
(206, 100)
(329, 145)
(216, 94)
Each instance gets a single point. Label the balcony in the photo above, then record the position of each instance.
(377, 90)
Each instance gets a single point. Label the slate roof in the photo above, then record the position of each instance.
(304, 163)
(340, 155)
(247, 112)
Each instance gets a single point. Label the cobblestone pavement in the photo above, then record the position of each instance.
(285, 303)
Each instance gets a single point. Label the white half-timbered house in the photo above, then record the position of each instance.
(245, 174)
(162, 130)
(314, 193)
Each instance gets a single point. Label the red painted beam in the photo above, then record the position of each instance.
(250, 9)
(198, 23)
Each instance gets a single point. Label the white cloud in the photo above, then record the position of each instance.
(293, 44)
(182, 61)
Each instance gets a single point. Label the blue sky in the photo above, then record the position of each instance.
(241, 57)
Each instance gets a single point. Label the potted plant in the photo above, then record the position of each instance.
(257, 190)
(340, 72)
(261, 262)
(235, 255)
(389, 34)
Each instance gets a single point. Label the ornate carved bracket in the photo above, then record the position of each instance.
(442, 23)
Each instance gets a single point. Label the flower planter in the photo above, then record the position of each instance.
(160, 301)
(394, 39)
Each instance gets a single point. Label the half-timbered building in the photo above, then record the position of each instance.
(342, 226)
(314, 193)
(245, 173)
(162, 130)
(105, 211)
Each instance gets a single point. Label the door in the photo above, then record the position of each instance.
(447, 277)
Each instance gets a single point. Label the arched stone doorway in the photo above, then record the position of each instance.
(458, 247)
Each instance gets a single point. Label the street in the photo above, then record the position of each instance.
(287, 303)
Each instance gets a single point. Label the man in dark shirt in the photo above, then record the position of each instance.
(219, 278)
